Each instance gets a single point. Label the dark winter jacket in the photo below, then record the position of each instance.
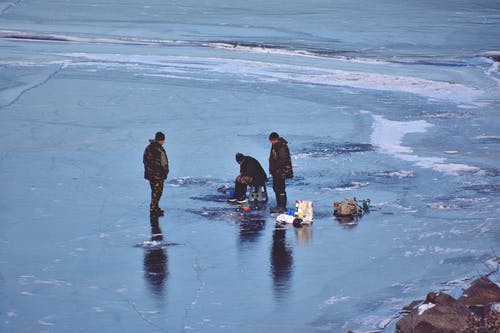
(155, 162)
(250, 167)
(280, 162)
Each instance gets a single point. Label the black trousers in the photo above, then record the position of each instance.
(156, 193)
(279, 191)
(240, 190)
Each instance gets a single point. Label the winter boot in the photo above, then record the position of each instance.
(280, 204)
(278, 209)
(283, 200)
(241, 200)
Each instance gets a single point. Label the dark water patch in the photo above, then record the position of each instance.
(211, 198)
(224, 189)
(304, 49)
(231, 213)
(491, 172)
(432, 62)
(33, 36)
(51, 38)
(236, 44)
(345, 186)
(215, 213)
(488, 139)
(250, 228)
(319, 149)
(483, 188)
(467, 259)
(295, 49)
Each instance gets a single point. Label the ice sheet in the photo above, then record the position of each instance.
(395, 102)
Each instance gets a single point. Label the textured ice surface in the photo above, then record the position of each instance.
(395, 102)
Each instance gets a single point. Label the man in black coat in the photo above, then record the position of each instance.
(280, 167)
(156, 171)
(251, 173)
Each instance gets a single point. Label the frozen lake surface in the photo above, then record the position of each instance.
(397, 102)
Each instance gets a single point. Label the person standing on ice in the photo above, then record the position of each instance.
(251, 173)
(156, 171)
(280, 167)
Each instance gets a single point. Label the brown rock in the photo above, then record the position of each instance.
(482, 292)
(425, 327)
(411, 306)
(440, 313)
(476, 311)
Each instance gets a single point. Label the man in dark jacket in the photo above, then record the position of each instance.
(156, 171)
(251, 173)
(280, 167)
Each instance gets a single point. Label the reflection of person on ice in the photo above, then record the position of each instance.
(251, 173)
(156, 171)
(280, 167)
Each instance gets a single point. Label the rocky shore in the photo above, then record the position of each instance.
(477, 310)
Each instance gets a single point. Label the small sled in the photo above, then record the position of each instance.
(303, 214)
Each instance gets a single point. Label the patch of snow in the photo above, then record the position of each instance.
(424, 307)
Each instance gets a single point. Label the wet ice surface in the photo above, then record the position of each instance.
(409, 121)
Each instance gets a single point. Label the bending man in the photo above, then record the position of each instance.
(251, 173)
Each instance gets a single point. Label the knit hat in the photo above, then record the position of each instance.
(274, 136)
(239, 157)
(159, 136)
